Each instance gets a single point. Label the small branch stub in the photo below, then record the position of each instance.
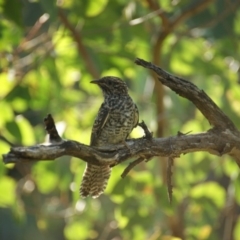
(51, 129)
(148, 134)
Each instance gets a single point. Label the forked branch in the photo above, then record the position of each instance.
(223, 138)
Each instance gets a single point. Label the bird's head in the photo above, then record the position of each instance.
(112, 85)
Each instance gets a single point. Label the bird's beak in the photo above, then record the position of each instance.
(97, 81)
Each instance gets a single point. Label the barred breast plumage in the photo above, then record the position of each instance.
(116, 118)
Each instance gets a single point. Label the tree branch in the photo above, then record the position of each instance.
(170, 162)
(222, 139)
(212, 142)
(188, 90)
(131, 165)
(191, 12)
(155, 6)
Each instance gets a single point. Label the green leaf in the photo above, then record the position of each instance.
(210, 190)
(12, 9)
(7, 191)
(237, 186)
(26, 130)
(14, 130)
(6, 113)
(50, 7)
(78, 230)
(236, 231)
(95, 7)
(19, 92)
(46, 180)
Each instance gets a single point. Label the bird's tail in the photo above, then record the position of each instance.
(95, 179)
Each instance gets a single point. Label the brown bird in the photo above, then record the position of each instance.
(116, 118)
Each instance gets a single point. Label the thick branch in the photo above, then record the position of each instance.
(198, 97)
(214, 143)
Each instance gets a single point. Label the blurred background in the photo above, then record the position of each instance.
(51, 50)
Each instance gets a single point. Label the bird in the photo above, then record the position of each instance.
(116, 118)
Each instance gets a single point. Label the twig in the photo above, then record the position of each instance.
(4, 139)
(229, 8)
(191, 12)
(131, 165)
(146, 17)
(155, 6)
(148, 134)
(169, 178)
(182, 134)
(32, 33)
(51, 129)
(198, 97)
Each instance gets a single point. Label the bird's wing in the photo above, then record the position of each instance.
(136, 116)
(99, 123)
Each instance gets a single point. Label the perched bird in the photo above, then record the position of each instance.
(116, 118)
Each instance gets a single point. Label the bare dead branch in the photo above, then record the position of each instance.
(148, 134)
(131, 165)
(212, 142)
(169, 178)
(51, 129)
(198, 97)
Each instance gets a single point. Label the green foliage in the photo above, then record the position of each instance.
(12, 11)
(7, 191)
(47, 62)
